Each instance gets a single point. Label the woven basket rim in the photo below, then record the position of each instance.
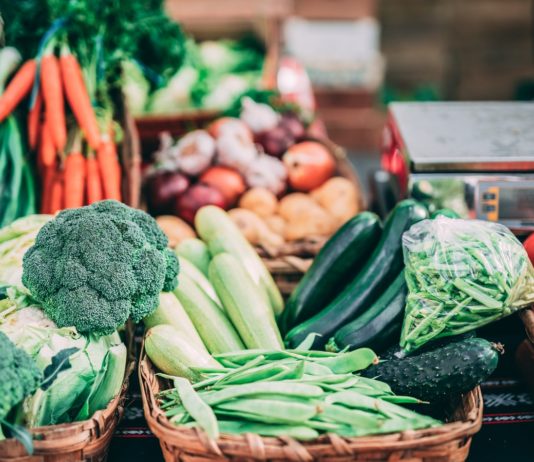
(94, 432)
(182, 437)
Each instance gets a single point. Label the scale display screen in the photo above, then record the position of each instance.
(515, 203)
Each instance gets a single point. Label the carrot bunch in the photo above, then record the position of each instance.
(73, 173)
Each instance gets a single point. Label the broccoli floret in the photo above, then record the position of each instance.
(20, 376)
(96, 266)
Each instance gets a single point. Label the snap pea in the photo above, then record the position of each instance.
(352, 361)
(284, 411)
(300, 432)
(264, 388)
(198, 409)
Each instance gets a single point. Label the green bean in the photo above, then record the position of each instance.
(300, 432)
(343, 415)
(284, 411)
(352, 361)
(198, 409)
(264, 388)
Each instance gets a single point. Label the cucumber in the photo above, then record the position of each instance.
(244, 303)
(379, 324)
(196, 252)
(216, 331)
(172, 354)
(221, 235)
(170, 311)
(339, 260)
(186, 267)
(381, 269)
(441, 372)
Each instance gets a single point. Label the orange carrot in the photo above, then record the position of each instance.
(94, 185)
(46, 188)
(53, 98)
(34, 121)
(18, 88)
(57, 199)
(74, 180)
(47, 150)
(78, 98)
(110, 170)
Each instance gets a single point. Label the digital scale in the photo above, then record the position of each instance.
(475, 158)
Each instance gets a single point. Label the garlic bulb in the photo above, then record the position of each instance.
(267, 172)
(259, 117)
(235, 151)
(195, 152)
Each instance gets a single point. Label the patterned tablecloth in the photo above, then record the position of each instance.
(506, 435)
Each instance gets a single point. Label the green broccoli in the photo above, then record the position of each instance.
(20, 377)
(95, 266)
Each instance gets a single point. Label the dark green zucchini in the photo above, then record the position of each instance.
(339, 260)
(439, 373)
(377, 327)
(382, 267)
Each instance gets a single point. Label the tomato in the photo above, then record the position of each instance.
(529, 247)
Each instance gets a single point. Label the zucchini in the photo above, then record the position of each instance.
(170, 311)
(377, 325)
(244, 303)
(441, 372)
(339, 260)
(196, 252)
(172, 354)
(380, 270)
(186, 267)
(221, 235)
(209, 320)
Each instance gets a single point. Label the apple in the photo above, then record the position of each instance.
(161, 190)
(197, 196)
(227, 180)
(309, 165)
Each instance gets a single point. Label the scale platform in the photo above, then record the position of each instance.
(466, 136)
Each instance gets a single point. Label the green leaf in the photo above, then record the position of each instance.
(60, 362)
(20, 433)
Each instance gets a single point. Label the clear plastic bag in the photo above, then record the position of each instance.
(461, 274)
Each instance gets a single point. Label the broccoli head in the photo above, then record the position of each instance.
(96, 266)
(20, 376)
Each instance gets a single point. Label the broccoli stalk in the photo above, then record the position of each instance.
(96, 266)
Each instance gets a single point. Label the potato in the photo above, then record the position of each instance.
(295, 204)
(276, 224)
(339, 197)
(255, 229)
(261, 201)
(313, 221)
(175, 228)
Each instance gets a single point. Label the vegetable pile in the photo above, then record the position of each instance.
(250, 162)
(213, 76)
(69, 92)
(69, 284)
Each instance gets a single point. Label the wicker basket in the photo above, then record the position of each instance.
(288, 263)
(86, 441)
(449, 442)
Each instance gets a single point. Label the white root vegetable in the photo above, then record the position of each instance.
(255, 229)
(261, 201)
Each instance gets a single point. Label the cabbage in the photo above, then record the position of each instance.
(96, 369)
(134, 87)
(177, 94)
(15, 239)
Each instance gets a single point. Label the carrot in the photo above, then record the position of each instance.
(57, 199)
(18, 88)
(74, 179)
(48, 179)
(53, 98)
(110, 169)
(47, 150)
(34, 121)
(94, 185)
(78, 97)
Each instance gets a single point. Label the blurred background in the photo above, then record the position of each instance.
(362, 54)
